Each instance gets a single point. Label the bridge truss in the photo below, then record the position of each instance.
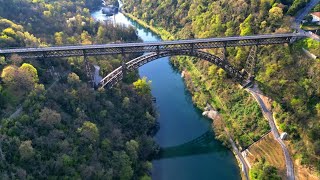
(161, 49)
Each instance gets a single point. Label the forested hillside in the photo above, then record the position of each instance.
(285, 74)
(53, 125)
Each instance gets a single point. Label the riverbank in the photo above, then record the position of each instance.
(165, 35)
(228, 142)
(180, 122)
(217, 123)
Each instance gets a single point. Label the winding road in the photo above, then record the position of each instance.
(258, 96)
(301, 15)
(245, 167)
(269, 116)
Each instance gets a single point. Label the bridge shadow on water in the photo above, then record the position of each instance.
(203, 144)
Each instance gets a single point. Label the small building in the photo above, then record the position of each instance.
(284, 136)
(110, 10)
(316, 17)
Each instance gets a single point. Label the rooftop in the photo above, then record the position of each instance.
(316, 14)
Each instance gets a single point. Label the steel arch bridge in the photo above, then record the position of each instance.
(157, 50)
(115, 76)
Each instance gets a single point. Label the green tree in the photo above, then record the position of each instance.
(143, 86)
(317, 147)
(150, 118)
(89, 130)
(26, 150)
(106, 145)
(263, 171)
(29, 70)
(59, 38)
(122, 165)
(8, 74)
(86, 38)
(100, 34)
(132, 148)
(49, 118)
(275, 15)
(318, 109)
(16, 59)
(73, 79)
(246, 26)
(145, 177)
(125, 102)
(67, 160)
(21, 79)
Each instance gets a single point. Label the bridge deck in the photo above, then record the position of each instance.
(106, 49)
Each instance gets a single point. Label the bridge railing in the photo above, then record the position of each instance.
(108, 49)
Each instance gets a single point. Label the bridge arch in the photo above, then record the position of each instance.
(115, 76)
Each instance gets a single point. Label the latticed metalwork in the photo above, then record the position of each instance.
(88, 70)
(252, 61)
(112, 78)
(157, 50)
(108, 49)
(117, 74)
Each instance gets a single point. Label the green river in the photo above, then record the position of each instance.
(180, 122)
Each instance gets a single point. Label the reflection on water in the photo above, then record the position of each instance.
(180, 123)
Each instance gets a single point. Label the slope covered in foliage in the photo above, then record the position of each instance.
(59, 127)
(285, 74)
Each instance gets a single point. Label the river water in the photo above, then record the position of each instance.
(180, 122)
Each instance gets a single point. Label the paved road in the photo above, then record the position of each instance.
(306, 10)
(267, 113)
(301, 15)
(269, 116)
(16, 113)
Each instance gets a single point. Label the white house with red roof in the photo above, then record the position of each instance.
(316, 17)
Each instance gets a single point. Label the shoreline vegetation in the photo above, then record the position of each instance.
(217, 123)
(65, 129)
(279, 109)
(165, 35)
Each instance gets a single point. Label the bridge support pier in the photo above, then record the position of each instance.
(292, 40)
(123, 62)
(88, 69)
(192, 49)
(225, 52)
(158, 51)
(251, 66)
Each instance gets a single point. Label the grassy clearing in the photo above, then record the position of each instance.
(309, 44)
(304, 173)
(310, 27)
(269, 149)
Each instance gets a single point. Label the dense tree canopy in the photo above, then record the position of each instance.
(60, 128)
(263, 171)
(285, 74)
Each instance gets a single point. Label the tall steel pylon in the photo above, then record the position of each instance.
(88, 70)
(123, 62)
(251, 63)
(251, 66)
